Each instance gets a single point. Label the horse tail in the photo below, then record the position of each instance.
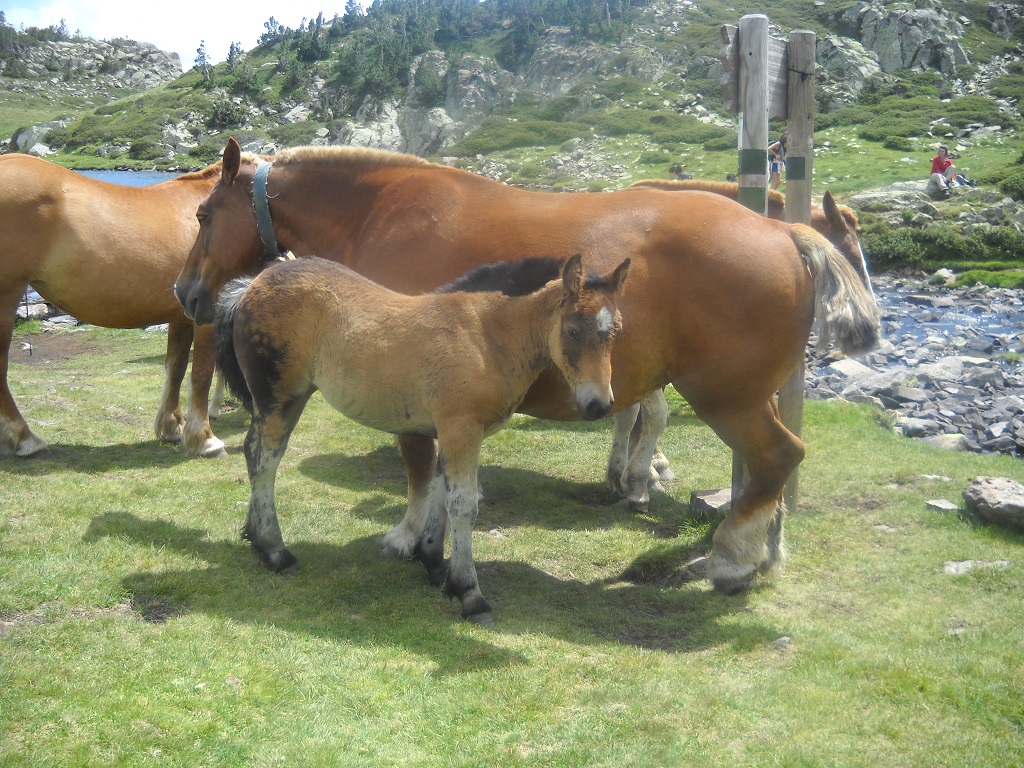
(224, 340)
(844, 306)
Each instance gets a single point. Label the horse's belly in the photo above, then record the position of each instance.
(379, 409)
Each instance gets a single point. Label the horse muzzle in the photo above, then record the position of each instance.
(592, 405)
(195, 303)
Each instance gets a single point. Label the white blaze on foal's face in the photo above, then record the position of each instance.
(605, 321)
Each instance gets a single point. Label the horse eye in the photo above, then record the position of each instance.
(201, 218)
(572, 334)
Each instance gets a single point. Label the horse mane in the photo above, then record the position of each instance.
(344, 155)
(206, 173)
(520, 277)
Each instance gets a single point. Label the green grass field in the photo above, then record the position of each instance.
(137, 629)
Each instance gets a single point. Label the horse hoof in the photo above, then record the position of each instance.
(734, 585)
(639, 506)
(213, 449)
(483, 619)
(284, 563)
(31, 448)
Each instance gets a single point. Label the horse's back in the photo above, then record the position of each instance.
(106, 253)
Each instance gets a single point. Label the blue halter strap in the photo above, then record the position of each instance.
(261, 206)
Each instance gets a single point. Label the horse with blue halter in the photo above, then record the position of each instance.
(450, 366)
(107, 254)
(720, 301)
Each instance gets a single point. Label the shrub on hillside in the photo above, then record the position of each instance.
(885, 126)
(726, 142)
(498, 133)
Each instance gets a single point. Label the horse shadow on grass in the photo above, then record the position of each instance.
(350, 593)
(511, 495)
(143, 454)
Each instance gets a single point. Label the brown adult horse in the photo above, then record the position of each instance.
(838, 223)
(719, 301)
(451, 366)
(107, 254)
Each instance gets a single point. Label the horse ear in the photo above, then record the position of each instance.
(231, 162)
(619, 276)
(572, 275)
(835, 218)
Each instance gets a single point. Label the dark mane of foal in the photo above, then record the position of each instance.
(516, 278)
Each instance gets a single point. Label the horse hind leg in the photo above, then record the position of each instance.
(264, 448)
(16, 439)
(750, 540)
(419, 455)
(199, 439)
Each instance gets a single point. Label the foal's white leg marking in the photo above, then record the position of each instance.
(462, 578)
(624, 421)
(262, 526)
(401, 540)
(654, 417)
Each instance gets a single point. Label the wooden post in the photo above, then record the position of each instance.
(753, 103)
(752, 55)
(799, 173)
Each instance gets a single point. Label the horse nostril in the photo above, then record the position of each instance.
(596, 410)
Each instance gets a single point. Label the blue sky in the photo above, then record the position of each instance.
(178, 27)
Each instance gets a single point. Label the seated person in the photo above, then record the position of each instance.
(943, 172)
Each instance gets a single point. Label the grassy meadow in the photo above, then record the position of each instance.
(137, 629)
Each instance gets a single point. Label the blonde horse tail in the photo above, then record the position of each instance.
(844, 306)
(224, 340)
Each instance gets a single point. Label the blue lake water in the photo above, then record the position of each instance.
(131, 178)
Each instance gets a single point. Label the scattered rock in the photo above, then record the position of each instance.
(997, 500)
(710, 504)
(959, 568)
(942, 505)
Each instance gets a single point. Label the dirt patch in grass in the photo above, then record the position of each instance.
(52, 346)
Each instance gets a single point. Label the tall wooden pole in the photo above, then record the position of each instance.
(752, 41)
(753, 102)
(799, 173)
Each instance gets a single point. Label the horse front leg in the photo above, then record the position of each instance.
(16, 439)
(419, 454)
(169, 419)
(750, 540)
(639, 468)
(459, 461)
(619, 456)
(264, 448)
(199, 439)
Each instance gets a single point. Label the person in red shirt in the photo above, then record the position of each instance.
(943, 171)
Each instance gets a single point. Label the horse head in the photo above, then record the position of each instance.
(228, 244)
(839, 224)
(581, 341)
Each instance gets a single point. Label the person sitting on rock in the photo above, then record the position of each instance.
(943, 172)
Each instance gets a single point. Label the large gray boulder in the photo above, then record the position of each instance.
(919, 35)
(998, 500)
(844, 67)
